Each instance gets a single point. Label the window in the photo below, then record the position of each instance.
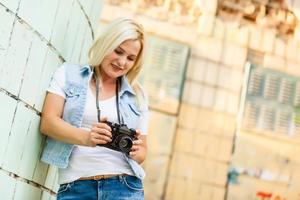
(163, 73)
(272, 102)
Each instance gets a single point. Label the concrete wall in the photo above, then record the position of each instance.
(267, 167)
(35, 38)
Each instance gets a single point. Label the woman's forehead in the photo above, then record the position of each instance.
(131, 47)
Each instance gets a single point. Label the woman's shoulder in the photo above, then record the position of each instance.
(70, 73)
(74, 69)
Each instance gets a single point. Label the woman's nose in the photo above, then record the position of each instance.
(122, 61)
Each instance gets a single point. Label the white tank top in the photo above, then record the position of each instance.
(89, 161)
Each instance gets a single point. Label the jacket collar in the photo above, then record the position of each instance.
(86, 70)
(125, 86)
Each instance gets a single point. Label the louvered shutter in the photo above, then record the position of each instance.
(272, 102)
(163, 73)
(297, 106)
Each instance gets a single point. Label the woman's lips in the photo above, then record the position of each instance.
(117, 67)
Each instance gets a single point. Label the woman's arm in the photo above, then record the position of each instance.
(55, 127)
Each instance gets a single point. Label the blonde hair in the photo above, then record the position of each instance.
(109, 39)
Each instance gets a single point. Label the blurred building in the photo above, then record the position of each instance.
(223, 79)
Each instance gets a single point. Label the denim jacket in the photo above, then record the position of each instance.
(76, 82)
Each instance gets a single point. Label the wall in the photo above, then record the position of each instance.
(35, 38)
(197, 155)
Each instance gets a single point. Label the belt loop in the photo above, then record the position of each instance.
(120, 177)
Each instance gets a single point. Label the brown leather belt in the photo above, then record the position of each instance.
(99, 177)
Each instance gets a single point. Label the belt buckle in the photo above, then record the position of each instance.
(99, 177)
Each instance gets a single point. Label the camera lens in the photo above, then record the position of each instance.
(125, 143)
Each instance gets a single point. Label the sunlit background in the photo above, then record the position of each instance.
(223, 80)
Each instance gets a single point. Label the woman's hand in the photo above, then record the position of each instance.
(100, 134)
(139, 148)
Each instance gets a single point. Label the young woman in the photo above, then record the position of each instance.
(83, 102)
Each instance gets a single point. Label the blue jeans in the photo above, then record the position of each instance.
(123, 187)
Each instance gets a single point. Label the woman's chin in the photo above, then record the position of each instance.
(115, 74)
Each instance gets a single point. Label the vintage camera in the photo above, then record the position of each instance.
(122, 137)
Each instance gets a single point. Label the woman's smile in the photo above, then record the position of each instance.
(117, 67)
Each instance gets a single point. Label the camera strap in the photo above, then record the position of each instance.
(118, 82)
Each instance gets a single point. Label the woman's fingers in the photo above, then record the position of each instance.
(101, 131)
(102, 125)
(138, 133)
(103, 119)
(101, 136)
(137, 142)
(96, 142)
(135, 147)
(134, 150)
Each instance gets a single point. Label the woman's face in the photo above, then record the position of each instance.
(121, 60)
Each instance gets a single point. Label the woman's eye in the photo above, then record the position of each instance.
(118, 51)
(131, 59)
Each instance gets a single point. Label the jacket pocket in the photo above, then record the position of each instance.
(73, 91)
(134, 109)
(64, 187)
(133, 183)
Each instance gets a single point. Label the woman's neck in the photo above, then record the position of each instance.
(107, 88)
(108, 80)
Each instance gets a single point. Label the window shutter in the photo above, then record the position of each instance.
(163, 73)
(272, 102)
(271, 88)
(297, 94)
(255, 83)
(287, 89)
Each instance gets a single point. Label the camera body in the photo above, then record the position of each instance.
(122, 137)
